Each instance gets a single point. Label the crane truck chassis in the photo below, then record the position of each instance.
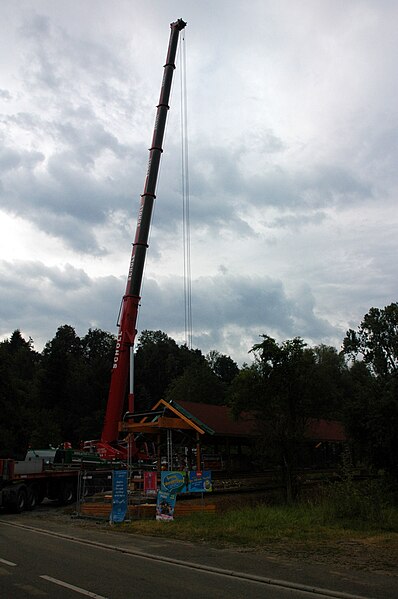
(48, 474)
(24, 484)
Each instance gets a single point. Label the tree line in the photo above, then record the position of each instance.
(60, 394)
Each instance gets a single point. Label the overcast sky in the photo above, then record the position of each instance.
(292, 113)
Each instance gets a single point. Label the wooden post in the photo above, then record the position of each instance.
(198, 456)
(159, 453)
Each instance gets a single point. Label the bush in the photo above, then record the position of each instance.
(364, 501)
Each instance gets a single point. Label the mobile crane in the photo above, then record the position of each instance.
(24, 484)
(122, 372)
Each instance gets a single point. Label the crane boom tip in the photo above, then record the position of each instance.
(179, 24)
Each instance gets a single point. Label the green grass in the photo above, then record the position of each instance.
(345, 511)
(264, 525)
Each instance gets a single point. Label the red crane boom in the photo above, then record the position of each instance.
(129, 311)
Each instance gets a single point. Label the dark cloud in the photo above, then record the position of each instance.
(37, 299)
(234, 307)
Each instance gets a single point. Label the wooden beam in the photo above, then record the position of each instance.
(168, 406)
(165, 422)
(190, 422)
(138, 427)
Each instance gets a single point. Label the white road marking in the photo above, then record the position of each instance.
(4, 561)
(61, 583)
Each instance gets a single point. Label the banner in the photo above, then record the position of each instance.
(194, 481)
(174, 481)
(119, 496)
(165, 505)
(200, 482)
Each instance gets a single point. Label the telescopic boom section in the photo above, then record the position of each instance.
(131, 299)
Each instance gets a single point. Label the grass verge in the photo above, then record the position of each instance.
(261, 525)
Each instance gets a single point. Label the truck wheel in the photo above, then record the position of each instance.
(20, 500)
(32, 497)
(67, 493)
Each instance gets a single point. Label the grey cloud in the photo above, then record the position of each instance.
(321, 186)
(5, 94)
(88, 141)
(326, 184)
(38, 299)
(224, 306)
(73, 163)
(43, 68)
(71, 190)
(298, 220)
(63, 196)
(11, 159)
(56, 57)
(68, 278)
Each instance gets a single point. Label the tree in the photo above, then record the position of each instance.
(60, 382)
(158, 362)
(223, 366)
(376, 341)
(328, 382)
(18, 394)
(283, 390)
(197, 383)
(74, 381)
(98, 349)
(371, 408)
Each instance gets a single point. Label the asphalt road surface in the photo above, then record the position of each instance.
(37, 565)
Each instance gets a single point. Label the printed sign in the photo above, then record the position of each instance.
(195, 481)
(200, 482)
(174, 481)
(165, 505)
(119, 496)
(150, 483)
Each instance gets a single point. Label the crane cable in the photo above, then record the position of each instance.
(186, 230)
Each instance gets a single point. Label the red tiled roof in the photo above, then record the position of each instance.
(221, 421)
(219, 418)
(326, 430)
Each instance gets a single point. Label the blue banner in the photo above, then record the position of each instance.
(194, 481)
(200, 482)
(119, 496)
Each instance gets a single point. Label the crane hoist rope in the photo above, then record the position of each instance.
(186, 225)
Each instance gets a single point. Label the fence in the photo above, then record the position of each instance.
(94, 495)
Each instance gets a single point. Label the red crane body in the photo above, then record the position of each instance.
(129, 311)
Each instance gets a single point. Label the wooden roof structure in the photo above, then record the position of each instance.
(217, 421)
(166, 416)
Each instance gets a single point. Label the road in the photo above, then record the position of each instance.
(33, 564)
